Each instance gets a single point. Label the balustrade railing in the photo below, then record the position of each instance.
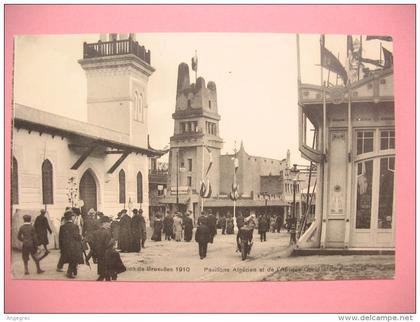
(116, 47)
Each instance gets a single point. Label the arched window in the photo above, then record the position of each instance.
(15, 182)
(139, 187)
(138, 107)
(136, 103)
(122, 186)
(47, 183)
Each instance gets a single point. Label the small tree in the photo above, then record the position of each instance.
(72, 192)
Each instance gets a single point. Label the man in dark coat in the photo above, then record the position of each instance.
(203, 219)
(279, 223)
(168, 226)
(211, 223)
(42, 228)
(102, 241)
(143, 228)
(115, 226)
(188, 227)
(222, 223)
(263, 226)
(28, 237)
(70, 244)
(230, 227)
(240, 222)
(124, 235)
(136, 232)
(202, 237)
(157, 228)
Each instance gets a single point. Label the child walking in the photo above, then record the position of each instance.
(27, 236)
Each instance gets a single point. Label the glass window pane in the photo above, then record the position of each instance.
(386, 194)
(392, 143)
(364, 196)
(368, 134)
(391, 163)
(359, 146)
(368, 145)
(384, 143)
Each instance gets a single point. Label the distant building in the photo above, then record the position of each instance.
(264, 183)
(158, 186)
(103, 161)
(196, 133)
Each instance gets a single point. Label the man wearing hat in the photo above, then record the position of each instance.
(42, 228)
(136, 232)
(202, 219)
(69, 239)
(188, 227)
(124, 235)
(143, 228)
(102, 241)
(27, 236)
(202, 237)
(211, 223)
(168, 226)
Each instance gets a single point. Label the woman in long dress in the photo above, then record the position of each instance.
(157, 228)
(178, 227)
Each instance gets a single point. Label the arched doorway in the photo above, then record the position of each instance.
(87, 191)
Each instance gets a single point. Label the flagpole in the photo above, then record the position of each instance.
(202, 177)
(360, 59)
(298, 59)
(380, 53)
(196, 66)
(324, 148)
(336, 75)
(234, 183)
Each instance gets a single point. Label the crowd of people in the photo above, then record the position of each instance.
(82, 238)
(94, 236)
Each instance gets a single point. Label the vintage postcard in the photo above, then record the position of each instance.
(203, 157)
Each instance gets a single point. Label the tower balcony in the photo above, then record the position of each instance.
(116, 48)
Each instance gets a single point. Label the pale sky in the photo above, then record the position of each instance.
(255, 75)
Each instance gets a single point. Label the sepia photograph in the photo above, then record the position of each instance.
(211, 157)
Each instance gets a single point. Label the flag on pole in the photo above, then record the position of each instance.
(234, 194)
(205, 189)
(388, 58)
(384, 38)
(210, 161)
(194, 62)
(330, 62)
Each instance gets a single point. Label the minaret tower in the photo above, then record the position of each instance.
(118, 69)
(196, 132)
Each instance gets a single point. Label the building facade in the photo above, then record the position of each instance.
(264, 184)
(105, 161)
(355, 155)
(195, 144)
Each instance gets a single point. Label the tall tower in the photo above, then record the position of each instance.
(196, 132)
(118, 69)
